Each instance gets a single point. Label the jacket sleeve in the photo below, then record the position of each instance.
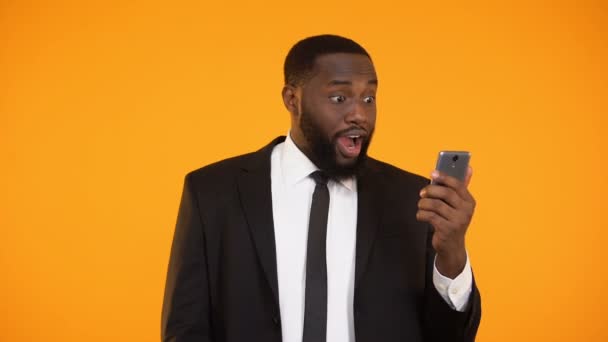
(186, 305)
(441, 322)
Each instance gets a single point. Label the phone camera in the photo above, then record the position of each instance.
(455, 158)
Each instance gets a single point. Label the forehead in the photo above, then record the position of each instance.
(343, 66)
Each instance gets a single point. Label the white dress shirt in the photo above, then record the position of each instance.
(292, 190)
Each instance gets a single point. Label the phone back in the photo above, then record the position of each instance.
(453, 163)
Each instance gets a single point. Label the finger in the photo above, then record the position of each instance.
(431, 217)
(437, 206)
(448, 195)
(451, 182)
(445, 179)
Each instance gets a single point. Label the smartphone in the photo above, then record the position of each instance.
(453, 163)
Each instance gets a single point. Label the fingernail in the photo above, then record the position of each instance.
(422, 192)
(435, 174)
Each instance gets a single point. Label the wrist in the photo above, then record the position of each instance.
(451, 264)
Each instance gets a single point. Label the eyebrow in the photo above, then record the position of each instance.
(344, 82)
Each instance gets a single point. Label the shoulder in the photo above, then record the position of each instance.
(219, 180)
(221, 171)
(390, 174)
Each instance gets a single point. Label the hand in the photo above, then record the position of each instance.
(449, 209)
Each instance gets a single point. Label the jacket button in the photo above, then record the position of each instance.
(276, 320)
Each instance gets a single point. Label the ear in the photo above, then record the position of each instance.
(291, 99)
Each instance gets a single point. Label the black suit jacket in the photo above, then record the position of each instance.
(222, 278)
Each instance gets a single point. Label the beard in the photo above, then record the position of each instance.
(323, 149)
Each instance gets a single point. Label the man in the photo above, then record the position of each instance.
(308, 239)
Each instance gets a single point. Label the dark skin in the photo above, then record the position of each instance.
(449, 209)
(340, 95)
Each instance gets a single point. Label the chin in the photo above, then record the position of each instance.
(342, 168)
(343, 162)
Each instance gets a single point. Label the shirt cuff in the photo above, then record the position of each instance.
(455, 291)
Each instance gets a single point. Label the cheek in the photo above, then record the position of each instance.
(327, 117)
(332, 120)
(370, 114)
(372, 117)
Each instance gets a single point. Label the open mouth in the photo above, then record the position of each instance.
(350, 145)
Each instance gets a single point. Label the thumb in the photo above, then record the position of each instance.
(467, 178)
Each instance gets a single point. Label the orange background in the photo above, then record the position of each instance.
(105, 106)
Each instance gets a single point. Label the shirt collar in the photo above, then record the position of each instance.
(296, 166)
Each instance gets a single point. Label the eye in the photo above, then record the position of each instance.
(337, 98)
(369, 99)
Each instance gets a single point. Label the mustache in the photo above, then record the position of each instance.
(353, 130)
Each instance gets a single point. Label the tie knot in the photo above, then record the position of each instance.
(320, 177)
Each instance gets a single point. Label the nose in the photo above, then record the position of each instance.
(358, 114)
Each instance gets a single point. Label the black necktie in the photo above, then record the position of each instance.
(315, 302)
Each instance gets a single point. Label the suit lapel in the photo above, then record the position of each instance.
(367, 221)
(254, 186)
(256, 200)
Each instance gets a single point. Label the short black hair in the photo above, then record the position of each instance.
(301, 59)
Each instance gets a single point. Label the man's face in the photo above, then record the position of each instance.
(338, 113)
